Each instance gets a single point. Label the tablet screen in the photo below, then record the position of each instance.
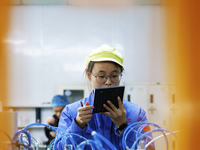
(101, 95)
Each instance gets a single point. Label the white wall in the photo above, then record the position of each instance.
(48, 46)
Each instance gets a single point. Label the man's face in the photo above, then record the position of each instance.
(58, 110)
(103, 69)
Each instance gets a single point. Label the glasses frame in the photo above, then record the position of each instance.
(120, 74)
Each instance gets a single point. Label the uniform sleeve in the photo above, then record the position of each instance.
(67, 122)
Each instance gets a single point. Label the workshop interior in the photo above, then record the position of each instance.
(43, 45)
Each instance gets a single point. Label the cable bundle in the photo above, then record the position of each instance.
(69, 140)
(77, 142)
(94, 144)
(22, 138)
(141, 136)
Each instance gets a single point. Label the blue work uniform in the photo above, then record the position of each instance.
(99, 122)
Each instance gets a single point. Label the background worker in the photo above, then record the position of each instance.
(58, 103)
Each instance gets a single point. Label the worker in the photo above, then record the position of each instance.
(58, 103)
(104, 68)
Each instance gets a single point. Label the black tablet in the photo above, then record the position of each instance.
(101, 95)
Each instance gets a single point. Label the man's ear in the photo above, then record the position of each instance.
(88, 75)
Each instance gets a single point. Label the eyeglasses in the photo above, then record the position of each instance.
(115, 77)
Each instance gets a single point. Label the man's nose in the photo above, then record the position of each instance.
(108, 81)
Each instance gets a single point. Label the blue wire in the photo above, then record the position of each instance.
(91, 143)
(97, 141)
(125, 134)
(57, 140)
(40, 124)
(72, 141)
(140, 129)
(67, 134)
(134, 125)
(51, 144)
(81, 145)
(95, 135)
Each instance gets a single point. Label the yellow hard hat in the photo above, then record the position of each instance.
(105, 53)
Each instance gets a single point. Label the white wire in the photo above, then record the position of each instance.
(157, 138)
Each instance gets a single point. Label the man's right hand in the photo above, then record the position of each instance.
(84, 115)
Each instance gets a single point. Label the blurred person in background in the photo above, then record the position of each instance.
(58, 103)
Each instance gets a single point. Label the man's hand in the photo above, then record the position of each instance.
(84, 115)
(118, 116)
